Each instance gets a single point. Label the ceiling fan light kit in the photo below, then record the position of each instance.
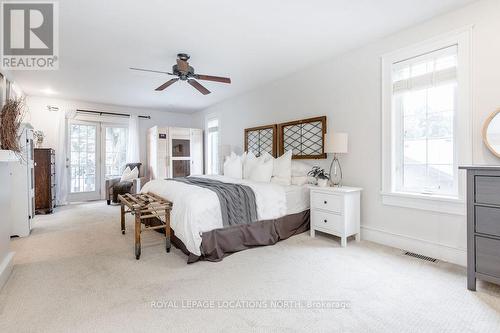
(184, 72)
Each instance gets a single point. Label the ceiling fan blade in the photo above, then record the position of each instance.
(182, 65)
(149, 70)
(198, 87)
(213, 78)
(166, 84)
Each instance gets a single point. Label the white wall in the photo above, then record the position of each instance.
(348, 90)
(45, 120)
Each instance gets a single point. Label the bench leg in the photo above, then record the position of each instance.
(168, 244)
(137, 235)
(122, 218)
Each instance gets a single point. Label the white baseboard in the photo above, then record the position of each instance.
(6, 268)
(431, 249)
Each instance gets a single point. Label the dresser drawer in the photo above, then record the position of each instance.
(488, 220)
(329, 202)
(487, 190)
(325, 220)
(488, 256)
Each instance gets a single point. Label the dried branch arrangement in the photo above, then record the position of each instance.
(11, 118)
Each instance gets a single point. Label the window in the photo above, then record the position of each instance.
(426, 124)
(116, 151)
(213, 146)
(424, 103)
(83, 150)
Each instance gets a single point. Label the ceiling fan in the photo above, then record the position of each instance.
(184, 72)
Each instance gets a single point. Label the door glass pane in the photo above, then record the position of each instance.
(180, 148)
(116, 151)
(83, 158)
(181, 168)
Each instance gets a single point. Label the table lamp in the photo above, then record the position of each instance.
(336, 143)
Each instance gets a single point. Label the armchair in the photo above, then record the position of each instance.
(136, 183)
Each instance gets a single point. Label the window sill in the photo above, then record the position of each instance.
(429, 202)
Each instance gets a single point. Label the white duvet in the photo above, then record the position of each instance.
(196, 210)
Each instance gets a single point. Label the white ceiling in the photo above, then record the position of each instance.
(252, 42)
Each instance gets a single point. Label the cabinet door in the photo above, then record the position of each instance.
(196, 151)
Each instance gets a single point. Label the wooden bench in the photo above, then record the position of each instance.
(146, 206)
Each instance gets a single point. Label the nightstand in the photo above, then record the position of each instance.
(336, 211)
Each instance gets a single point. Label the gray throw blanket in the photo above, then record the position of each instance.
(237, 202)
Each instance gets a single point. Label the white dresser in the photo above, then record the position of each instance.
(336, 211)
(7, 160)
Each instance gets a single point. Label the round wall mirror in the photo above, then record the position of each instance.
(491, 133)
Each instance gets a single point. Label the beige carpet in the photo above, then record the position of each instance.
(77, 273)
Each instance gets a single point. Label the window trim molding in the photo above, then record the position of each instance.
(463, 123)
(208, 118)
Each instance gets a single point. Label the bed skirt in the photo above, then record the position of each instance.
(219, 243)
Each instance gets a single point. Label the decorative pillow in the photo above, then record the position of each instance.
(129, 175)
(250, 161)
(300, 169)
(262, 170)
(233, 167)
(302, 180)
(282, 169)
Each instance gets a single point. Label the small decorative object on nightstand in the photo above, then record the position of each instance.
(321, 176)
(336, 211)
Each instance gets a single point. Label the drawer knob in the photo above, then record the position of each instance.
(325, 202)
(325, 221)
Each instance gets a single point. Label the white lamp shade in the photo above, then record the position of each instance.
(336, 143)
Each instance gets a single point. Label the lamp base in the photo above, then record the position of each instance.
(336, 176)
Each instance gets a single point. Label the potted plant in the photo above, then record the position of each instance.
(321, 176)
(39, 136)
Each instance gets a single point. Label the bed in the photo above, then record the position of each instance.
(197, 223)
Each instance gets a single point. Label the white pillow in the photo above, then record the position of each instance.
(282, 169)
(233, 167)
(300, 169)
(129, 175)
(249, 162)
(262, 170)
(302, 180)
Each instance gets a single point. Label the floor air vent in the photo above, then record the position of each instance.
(419, 256)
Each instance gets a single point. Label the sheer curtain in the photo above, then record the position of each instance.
(133, 140)
(62, 157)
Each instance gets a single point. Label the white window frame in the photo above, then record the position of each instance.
(208, 119)
(463, 125)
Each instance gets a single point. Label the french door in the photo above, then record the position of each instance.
(84, 157)
(96, 151)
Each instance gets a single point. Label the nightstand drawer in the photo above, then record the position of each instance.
(324, 220)
(329, 202)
